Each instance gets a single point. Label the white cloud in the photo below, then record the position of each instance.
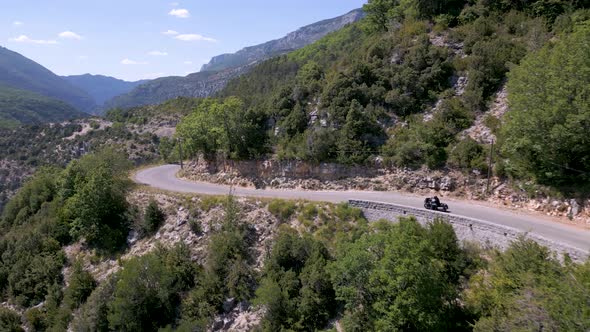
(194, 37)
(26, 39)
(69, 35)
(83, 57)
(180, 13)
(170, 32)
(17, 23)
(127, 61)
(188, 62)
(158, 53)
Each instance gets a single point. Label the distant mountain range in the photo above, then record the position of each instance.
(215, 75)
(101, 88)
(294, 40)
(31, 93)
(19, 72)
(197, 85)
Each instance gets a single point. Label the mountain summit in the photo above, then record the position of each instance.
(294, 40)
(214, 76)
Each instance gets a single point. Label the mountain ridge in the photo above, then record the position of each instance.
(211, 79)
(20, 72)
(292, 41)
(101, 87)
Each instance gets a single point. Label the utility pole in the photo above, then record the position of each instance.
(180, 152)
(490, 166)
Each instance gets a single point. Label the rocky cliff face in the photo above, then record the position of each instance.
(216, 74)
(294, 40)
(286, 175)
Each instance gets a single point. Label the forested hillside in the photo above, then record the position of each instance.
(19, 72)
(24, 107)
(292, 41)
(214, 76)
(82, 248)
(406, 82)
(81, 251)
(101, 88)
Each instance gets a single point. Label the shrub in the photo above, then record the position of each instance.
(282, 209)
(10, 321)
(80, 286)
(467, 155)
(153, 217)
(545, 130)
(195, 226)
(209, 202)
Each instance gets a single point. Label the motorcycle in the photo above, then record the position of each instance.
(431, 204)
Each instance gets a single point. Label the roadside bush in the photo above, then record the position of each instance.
(425, 142)
(153, 217)
(10, 321)
(282, 209)
(195, 226)
(296, 288)
(208, 202)
(467, 154)
(148, 290)
(527, 287)
(81, 285)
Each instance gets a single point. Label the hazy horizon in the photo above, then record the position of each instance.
(135, 40)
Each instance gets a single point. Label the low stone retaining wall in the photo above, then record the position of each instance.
(467, 229)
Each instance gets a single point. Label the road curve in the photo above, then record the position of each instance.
(164, 177)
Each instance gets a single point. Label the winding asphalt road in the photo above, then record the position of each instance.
(164, 177)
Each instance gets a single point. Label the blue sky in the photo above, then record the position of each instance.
(136, 39)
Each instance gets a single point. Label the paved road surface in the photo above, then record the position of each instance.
(164, 177)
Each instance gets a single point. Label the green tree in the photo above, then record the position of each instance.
(360, 136)
(228, 256)
(147, 290)
(93, 192)
(545, 134)
(227, 127)
(153, 217)
(526, 288)
(296, 287)
(81, 285)
(467, 154)
(10, 321)
(380, 14)
(401, 277)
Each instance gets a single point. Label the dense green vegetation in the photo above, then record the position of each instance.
(361, 92)
(85, 201)
(357, 94)
(222, 127)
(25, 107)
(26, 148)
(546, 130)
(334, 265)
(180, 106)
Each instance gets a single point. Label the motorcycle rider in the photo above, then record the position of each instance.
(436, 201)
